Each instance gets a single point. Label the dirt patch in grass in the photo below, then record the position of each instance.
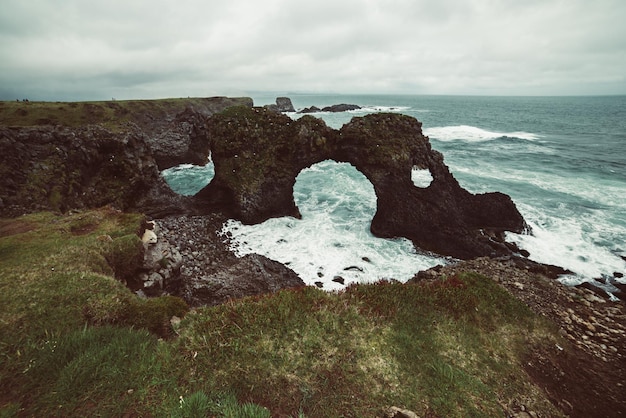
(576, 383)
(83, 229)
(13, 227)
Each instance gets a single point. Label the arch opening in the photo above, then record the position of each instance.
(189, 179)
(421, 177)
(337, 189)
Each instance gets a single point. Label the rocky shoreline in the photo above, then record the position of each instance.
(64, 168)
(208, 273)
(593, 328)
(589, 363)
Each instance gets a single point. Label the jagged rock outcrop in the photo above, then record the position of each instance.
(210, 273)
(283, 104)
(61, 168)
(343, 107)
(258, 154)
(114, 158)
(178, 138)
(312, 109)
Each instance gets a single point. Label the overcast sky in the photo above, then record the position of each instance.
(96, 50)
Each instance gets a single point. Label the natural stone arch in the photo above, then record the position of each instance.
(258, 154)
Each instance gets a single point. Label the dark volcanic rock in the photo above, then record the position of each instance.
(284, 104)
(247, 276)
(181, 137)
(209, 272)
(258, 154)
(183, 140)
(334, 108)
(59, 168)
(341, 108)
(312, 109)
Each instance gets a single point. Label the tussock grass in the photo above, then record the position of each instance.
(74, 341)
(452, 349)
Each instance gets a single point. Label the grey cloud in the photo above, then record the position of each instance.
(72, 48)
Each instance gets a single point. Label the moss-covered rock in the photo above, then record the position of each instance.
(125, 256)
(62, 156)
(259, 153)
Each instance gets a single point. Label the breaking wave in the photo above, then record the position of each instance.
(473, 134)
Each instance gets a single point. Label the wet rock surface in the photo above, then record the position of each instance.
(209, 272)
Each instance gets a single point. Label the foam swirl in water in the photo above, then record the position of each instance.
(332, 243)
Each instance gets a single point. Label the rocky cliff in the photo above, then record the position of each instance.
(62, 156)
(257, 154)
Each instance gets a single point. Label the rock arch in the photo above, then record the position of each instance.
(258, 154)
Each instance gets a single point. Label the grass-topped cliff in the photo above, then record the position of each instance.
(112, 114)
(74, 341)
(59, 156)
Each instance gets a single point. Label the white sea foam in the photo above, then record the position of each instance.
(472, 134)
(332, 239)
(375, 109)
(568, 242)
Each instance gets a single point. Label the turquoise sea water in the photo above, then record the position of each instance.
(561, 159)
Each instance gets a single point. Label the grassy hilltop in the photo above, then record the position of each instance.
(76, 342)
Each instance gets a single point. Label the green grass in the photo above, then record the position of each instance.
(74, 341)
(453, 348)
(113, 114)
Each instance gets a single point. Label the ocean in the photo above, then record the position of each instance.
(561, 159)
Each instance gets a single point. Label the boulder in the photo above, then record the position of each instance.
(246, 276)
(284, 104)
(333, 108)
(312, 109)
